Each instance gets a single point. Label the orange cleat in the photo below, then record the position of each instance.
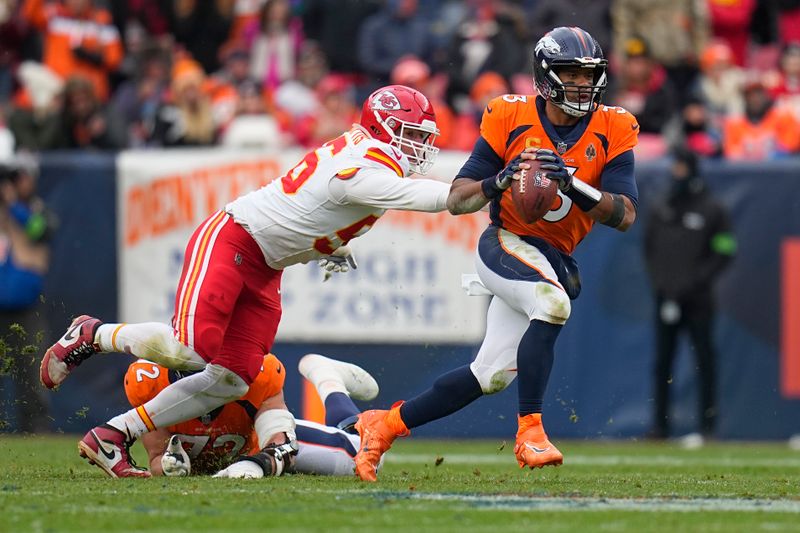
(378, 429)
(533, 449)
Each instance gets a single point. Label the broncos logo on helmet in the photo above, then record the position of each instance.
(569, 47)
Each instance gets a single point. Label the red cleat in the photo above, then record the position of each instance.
(107, 448)
(71, 350)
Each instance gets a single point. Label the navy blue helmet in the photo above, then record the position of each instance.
(569, 47)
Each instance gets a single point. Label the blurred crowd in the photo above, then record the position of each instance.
(721, 76)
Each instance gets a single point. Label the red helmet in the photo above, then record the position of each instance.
(391, 112)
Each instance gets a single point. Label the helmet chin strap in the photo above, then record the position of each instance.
(571, 111)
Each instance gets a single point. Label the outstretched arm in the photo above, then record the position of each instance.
(468, 195)
(275, 428)
(155, 443)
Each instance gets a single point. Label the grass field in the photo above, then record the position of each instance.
(461, 486)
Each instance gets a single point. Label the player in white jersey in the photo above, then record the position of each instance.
(227, 304)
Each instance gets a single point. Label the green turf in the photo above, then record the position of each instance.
(630, 486)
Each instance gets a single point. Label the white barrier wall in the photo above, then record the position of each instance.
(407, 288)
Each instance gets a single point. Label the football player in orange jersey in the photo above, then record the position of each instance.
(528, 268)
(228, 440)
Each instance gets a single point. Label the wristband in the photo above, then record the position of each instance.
(617, 212)
(583, 195)
(490, 188)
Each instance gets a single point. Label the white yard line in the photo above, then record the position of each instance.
(614, 504)
(598, 460)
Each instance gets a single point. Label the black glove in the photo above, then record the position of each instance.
(494, 186)
(555, 167)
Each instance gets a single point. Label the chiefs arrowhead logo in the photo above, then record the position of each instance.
(385, 101)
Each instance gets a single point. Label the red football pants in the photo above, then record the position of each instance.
(228, 302)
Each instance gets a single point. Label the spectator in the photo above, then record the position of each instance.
(789, 20)
(395, 31)
(784, 85)
(86, 122)
(136, 100)
(719, 85)
(696, 130)
(223, 86)
(676, 34)
(253, 126)
(79, 40)
(415, 73)
(467, 124)
(297, 98)
(274, 44)
(35, 117)
(764, 131)
(148, 16)
(25, 228)
(592, 15)
(186, 119)
(333, 26)
(12, 35)
(642, 87)
(493, 38)
(336, 112)
(730, 23)
(201, 27)
(688, 243)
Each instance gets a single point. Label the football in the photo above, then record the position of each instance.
(533, 193)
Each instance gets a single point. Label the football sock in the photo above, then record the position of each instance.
(339, 406)
(450, 392)
(535, 356)
(153, 341)
(324, 376)
(183, 400)
(130, 423)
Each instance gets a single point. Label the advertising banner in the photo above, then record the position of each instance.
(407, 288)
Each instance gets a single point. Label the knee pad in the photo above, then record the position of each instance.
(492, 378)
(225, 384)
(552, 304)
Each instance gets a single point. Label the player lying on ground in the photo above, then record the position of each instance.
(227, 304)
(226, 440)
(528, 267)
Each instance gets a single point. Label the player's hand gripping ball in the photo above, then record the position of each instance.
(533, 193)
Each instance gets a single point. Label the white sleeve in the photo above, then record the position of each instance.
(384, 190)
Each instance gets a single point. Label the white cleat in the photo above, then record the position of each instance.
(692, 441)
(358, 382)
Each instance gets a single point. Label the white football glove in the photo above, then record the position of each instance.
(341, 260)
(175, 461)
(272, 460)
(242, 470)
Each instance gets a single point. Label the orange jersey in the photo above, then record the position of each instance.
(512, 123)
(223, 433)
(64, 32)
